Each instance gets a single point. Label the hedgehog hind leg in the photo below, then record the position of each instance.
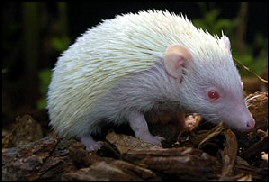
(139, 125)
(90, 144)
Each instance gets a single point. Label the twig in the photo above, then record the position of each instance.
(249, 70)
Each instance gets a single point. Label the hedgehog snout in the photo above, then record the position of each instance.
(247, 119)
(238, 117)
(250, 123)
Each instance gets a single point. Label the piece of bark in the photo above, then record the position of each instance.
(46, 159)
(256, 148)
(202, 139)
(229, 154)
(258, 105)
(254, 173)
(176, 163)
(25, 130)
(125, 143)
(24, 163)
(54, 158)
(115, 170)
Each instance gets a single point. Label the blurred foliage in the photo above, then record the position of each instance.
(44, 81)
(4, 71)
(211, 18)
(254, 56)
(59, 44)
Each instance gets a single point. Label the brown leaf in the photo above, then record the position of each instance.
(111, 171)
(125, 143)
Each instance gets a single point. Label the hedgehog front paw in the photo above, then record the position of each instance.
(90, 144)
(93, 147)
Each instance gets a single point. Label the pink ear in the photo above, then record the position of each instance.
(175, 59)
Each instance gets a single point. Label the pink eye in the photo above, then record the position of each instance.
(213, 95)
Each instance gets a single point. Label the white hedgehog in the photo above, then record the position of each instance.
(131, 64)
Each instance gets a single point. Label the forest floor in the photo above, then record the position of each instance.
(197, 151)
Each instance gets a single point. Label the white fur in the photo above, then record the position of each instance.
(108, 70)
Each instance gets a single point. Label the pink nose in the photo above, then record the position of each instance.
(250, 123)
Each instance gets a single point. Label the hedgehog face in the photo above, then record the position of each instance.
(216, 102)
(229, 107)
(212, 86)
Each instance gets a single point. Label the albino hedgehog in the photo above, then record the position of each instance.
(131, 64)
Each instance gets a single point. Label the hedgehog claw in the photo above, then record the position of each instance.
(90, 144)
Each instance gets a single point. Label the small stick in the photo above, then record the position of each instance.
(249, 70)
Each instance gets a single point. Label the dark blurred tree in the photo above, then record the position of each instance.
(31, 37)
(242, 27)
